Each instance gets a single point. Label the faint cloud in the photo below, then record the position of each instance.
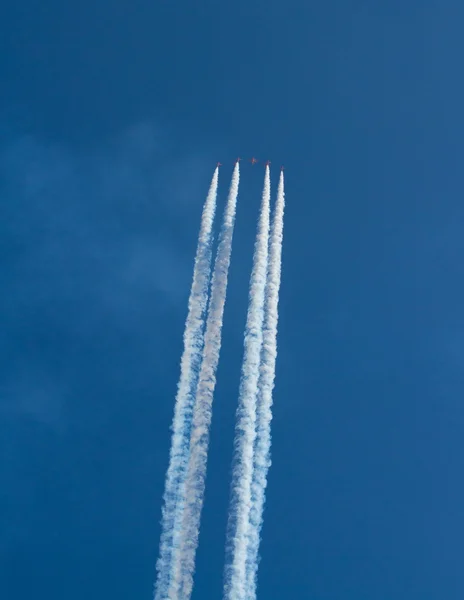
(31, 397)
(95, 241)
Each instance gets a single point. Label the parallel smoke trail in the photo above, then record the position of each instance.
(262, 455)
(196, 474)
(240, 504)
(190, 366)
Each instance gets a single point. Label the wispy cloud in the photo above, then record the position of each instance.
(92, 240)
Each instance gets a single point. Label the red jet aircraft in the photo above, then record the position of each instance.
(267, 163)
(238, 160)
(218, 164)
(253, 160)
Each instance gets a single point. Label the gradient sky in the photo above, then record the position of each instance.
(112, 117)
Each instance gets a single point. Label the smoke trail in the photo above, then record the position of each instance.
(190, 365)
(262, 460)
(195, 480)
(240, 504)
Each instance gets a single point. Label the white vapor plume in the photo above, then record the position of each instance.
(182, 582)
(245, 433)
(262, 450)
(190, 366)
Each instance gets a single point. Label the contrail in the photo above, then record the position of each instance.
(181, 585)
(262, 450)
(242, 473)
(190, 366)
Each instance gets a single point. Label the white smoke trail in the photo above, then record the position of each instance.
(190, 366)
(262, 460)
(242, 474)
(181, 585)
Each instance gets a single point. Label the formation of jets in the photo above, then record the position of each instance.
(253, 161)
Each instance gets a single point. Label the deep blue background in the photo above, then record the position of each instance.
(112, 116)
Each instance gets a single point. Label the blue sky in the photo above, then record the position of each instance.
(112, 116)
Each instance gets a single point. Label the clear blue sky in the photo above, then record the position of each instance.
(112, 116)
